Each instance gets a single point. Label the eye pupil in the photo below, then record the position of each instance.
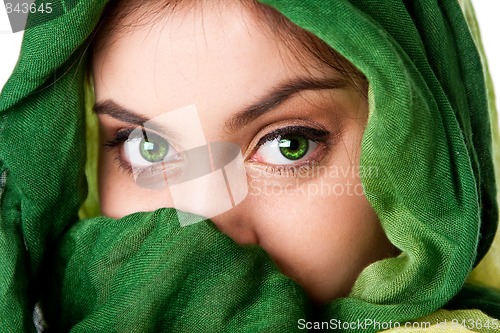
(153, 151)
(294, 147)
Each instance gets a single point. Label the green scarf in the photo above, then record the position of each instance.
(428, 134)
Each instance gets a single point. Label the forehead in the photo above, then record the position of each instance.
(218, 56)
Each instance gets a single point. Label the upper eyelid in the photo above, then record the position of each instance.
(150, 125)
(127, 133)
(170, 142)
(122, 135)
(292, 130)
(142, 130)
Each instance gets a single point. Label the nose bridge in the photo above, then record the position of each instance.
(238, 224)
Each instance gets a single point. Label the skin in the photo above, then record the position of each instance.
(222, 64)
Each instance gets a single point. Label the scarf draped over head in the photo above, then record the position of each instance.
(428, 136)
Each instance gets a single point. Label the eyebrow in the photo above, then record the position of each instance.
(279, 95)
(110, 108)
(263, 105)
(116, 111)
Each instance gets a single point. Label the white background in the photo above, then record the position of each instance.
(486, 10)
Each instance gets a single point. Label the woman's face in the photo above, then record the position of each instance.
(300, 140)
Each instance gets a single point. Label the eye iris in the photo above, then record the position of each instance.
(294, 147)
(153, 151)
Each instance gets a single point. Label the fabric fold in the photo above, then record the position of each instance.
(145, 273)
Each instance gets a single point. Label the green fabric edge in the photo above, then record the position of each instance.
(91, 207)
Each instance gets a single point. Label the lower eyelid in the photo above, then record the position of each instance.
(302, 171)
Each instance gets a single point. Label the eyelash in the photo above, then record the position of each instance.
(321, 137)
(121, 136)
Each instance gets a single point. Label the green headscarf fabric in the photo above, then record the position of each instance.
(428, 135)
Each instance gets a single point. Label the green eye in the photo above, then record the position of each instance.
(294, 147)
(153, 149)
